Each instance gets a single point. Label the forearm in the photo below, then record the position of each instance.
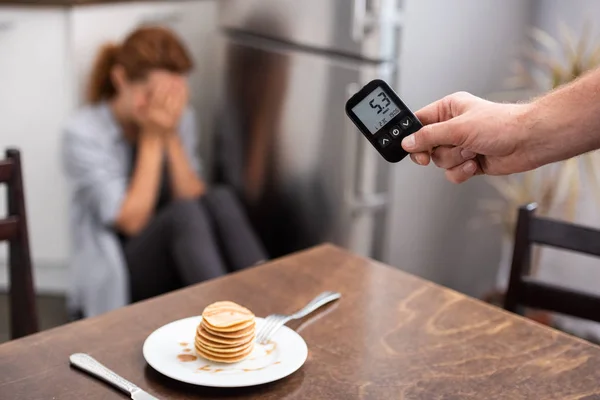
(141, 197)
(566, 122)
(185, 183)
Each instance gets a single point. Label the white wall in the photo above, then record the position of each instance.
(574, 13)
(447, 47)
(35, 98)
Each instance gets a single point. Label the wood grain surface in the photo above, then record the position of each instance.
(391, 336)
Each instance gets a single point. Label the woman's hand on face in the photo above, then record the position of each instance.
(167, 100)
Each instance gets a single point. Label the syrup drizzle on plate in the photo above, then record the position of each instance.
(267, 351)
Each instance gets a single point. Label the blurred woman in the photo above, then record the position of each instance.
(143, 221)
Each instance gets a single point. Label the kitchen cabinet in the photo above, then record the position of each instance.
(46, 54)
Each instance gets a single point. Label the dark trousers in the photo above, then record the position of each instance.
(191, 241)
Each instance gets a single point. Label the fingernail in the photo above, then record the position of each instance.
(421, 159)
(467, 154)
(409, 142)
(470, 168)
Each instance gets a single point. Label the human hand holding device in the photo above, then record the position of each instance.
(467, 136)
(167, 99)
(463, 134)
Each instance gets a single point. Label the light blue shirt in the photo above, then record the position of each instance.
(96, 160)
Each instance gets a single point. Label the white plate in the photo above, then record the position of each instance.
(170, 351)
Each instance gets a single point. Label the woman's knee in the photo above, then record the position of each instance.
(185, 213)
(222, 195)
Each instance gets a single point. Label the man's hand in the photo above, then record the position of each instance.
(466, 136)
(168, 98)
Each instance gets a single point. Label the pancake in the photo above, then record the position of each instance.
(224, 359)
(232, 360)
(223, 352)
(226, 333)
(218, 339)
(229, 329)
(234, 354)
(216, 345)
(225, 314)
(243, 332)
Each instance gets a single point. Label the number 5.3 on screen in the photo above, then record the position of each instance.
(381, 96)
(382, 117)
(376, 110)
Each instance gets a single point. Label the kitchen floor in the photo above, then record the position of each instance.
(51, 309)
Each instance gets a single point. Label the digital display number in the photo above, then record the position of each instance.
(376, 110)
(383, 98)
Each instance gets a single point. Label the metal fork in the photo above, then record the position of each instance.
(275, 321)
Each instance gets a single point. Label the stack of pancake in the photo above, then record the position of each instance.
(226, 333)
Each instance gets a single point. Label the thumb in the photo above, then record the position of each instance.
(447, 133)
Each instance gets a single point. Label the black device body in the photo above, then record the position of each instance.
(383, 118)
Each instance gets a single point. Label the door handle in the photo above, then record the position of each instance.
(359, 20)
(358, 202)
(363, 21)
(350, 152)
(368, 203)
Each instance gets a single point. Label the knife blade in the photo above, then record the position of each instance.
(90, 365)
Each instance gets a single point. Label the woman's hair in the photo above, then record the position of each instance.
(144, 50)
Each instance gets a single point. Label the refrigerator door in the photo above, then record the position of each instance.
(360, 28)
(285, 143)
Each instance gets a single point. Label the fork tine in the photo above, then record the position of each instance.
(275, 324)
(274, 328)
(264, 328)
(270, 322)
(266, 333)
(266, 325)
(275, 321)
(268, 329)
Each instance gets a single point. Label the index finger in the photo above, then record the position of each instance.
(447, 133)
(431, 113)
(445, 109)
(442, 124)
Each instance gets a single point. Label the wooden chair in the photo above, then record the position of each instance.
(525, 291)
(13, 228)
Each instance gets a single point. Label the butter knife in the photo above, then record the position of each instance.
(91, 366)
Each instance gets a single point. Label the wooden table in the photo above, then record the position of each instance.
(391, 336)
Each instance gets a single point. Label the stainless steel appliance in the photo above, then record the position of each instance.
(284, 142)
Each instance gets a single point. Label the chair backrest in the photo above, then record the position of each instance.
(13, 229)
(525, 291)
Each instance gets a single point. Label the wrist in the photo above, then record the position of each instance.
(532, 134)
(170, 140)
(151, 131)
(556, 132)
(151, 138)
(170, 136)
